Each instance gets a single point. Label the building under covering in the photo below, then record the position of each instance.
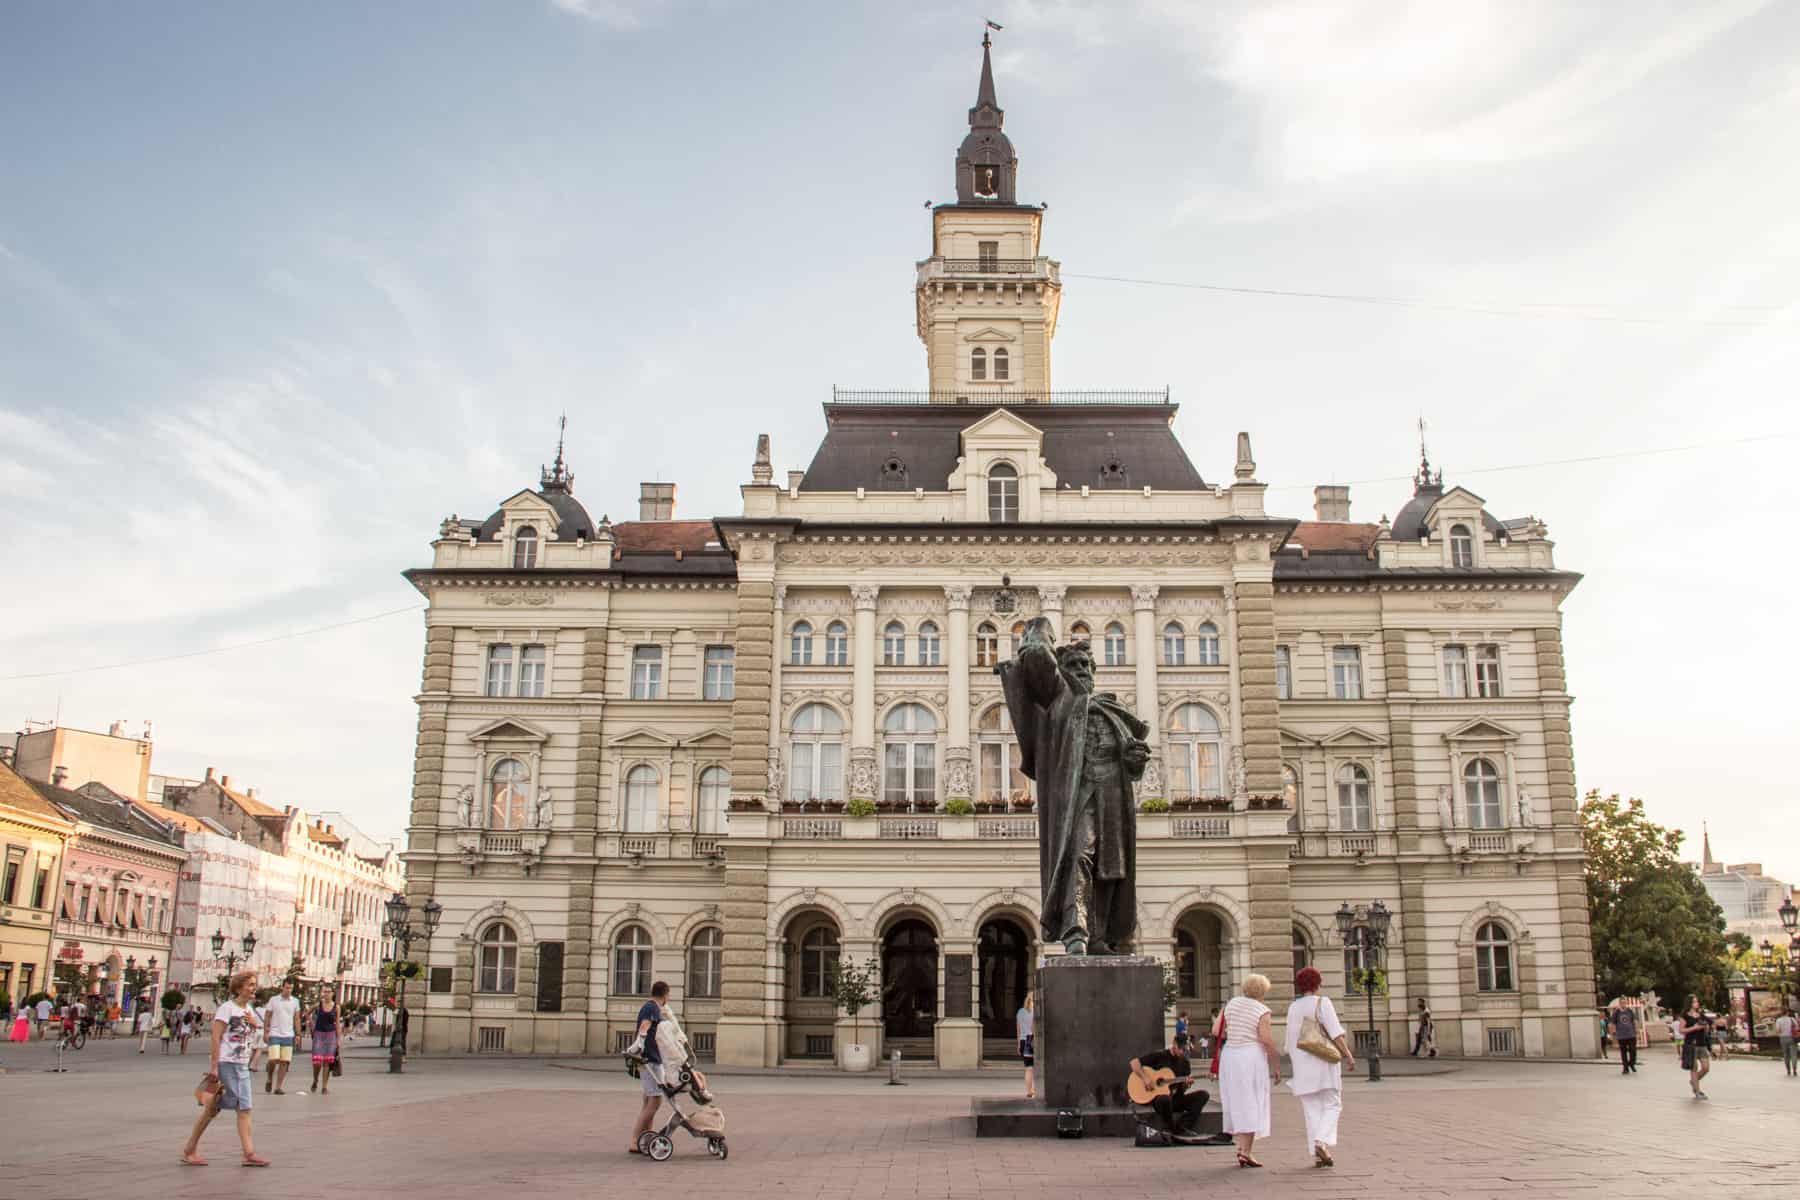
(649, 750)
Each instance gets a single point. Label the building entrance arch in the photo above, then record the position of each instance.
(909, 973)
(1003, 956)
(1204, 956)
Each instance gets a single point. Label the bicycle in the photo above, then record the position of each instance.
(71, 1040)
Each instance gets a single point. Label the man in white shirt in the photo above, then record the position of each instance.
(43, 1016)
(281, 1012)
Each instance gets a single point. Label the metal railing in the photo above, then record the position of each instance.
(975, 396)
(991, 266)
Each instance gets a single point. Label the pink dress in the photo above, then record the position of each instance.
(21, 1030)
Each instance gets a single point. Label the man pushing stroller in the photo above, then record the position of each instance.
(663, 1062)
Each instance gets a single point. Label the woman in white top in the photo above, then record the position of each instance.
(1249, 1063)
(1318, 1084)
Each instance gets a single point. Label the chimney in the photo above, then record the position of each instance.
(116, 730)
(209, 774)
(224, 781)
(1331, 502)
(794, 478)
(58, 774)
(250, 792)
(656, 502)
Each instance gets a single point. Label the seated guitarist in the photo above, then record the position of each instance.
(1179, 1108)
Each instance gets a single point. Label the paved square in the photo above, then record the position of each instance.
(114, 1125)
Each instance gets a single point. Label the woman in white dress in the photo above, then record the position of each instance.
(1317, 1083)
(1248, 1065)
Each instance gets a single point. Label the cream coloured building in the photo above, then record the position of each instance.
(645, 749)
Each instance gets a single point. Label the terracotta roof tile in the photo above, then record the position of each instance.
(255, 808)
(180, 820)
(666, 537)
(19, 793)
(1323, 537)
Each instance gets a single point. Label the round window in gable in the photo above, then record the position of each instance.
(1114, 475)
(893, 473)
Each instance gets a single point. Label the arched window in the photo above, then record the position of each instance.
(1115, 644)
(1493, 958)
(715, 793)
(909, 762)
(987, 645)
(508, 789)
(1302, 950)
(1079, 632)
(1356, 955)
(1174, 645)
(1290, 787)
(1462, 547)
(978, 363)
(818, 960)
(631, 962)
(1355, 811)
(930, 646)
(525, 543)
(1187, 964)
(837, 645)
(1001, 780)
(1193, 753)
(1015, 636)
(1206, 642)
(641, 808)
(893, 645)
(706, 954)
(1481, 795)
(1003, 493)
(816, 754)
(497, 960)
(1000, 363)
(1284, 673)
(800, 644)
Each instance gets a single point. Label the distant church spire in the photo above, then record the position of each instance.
(1706, 858)
(558, 478)
(986, 167)
(1424, 479)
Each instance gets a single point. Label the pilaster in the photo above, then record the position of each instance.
(743, 1007)
(1261, 732)
(864, 777)
(752, 700)
(959, 775)
(1271, 916)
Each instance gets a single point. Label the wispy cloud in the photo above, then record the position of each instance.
(621, 15)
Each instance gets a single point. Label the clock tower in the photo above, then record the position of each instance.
(986, 299)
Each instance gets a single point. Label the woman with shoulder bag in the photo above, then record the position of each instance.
(1319, 1053)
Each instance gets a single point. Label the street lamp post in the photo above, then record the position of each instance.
(1366, 928)
(248, 942)
(400, 927)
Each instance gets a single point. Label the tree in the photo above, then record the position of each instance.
(853, 988)
(1654, 926)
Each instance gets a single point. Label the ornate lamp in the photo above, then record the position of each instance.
(1379, 919)
(434, 912)
(1346, 919)
(218, 942)
(1790, 916)
(397, 912)
(249, 944)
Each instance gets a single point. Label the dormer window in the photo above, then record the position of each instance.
(978, 363)
(1114, 475)
(525, 546)
(1003, 493)
(893, 475)
(988, 255)
(1462, 548)
(1000, 363)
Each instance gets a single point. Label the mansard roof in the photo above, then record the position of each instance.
(572, 520)
(1080, 443)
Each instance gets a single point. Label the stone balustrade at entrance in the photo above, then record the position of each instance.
(932, 826)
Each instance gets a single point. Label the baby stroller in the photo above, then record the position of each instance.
(705, 1121)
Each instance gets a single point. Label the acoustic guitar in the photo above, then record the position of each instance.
(1162, 1081)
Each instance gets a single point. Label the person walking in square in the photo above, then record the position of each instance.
(233, 1040)
(1785, 1027)
(650, 1069)
(1317, 1082)
(324, 1041)
(1248, 1065)
(1625, 1032)
(1026, 1020)
(1696, 1045)
(283, 1011)
(1426, 1038)
(43, 1017)
(166, 1029)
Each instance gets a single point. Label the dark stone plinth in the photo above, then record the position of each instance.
(1031, 1118)
(1094, 1015)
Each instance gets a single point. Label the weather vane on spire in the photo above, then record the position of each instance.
(1424, 476)
(986, 41)
(558, 478)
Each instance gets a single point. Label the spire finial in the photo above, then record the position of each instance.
(557, 478)
(1424, 479)
(984, 95)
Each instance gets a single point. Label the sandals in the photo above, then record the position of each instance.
(193, 1160)
(1244, 1160)
(1322, 1155)
(255, 1160)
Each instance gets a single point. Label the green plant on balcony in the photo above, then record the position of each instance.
(958, 807)
(1155, 804)
(860, 807)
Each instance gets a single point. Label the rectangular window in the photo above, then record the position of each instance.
(893, 647)
(40, 887)
(721, 673)
(1456, 672)
(531, 670)
(1487, 672)
(646, 673)
(988, 254)
(87, 898)
(499, 670)
(1284, 673)
(1346, 672)
(550, 977)
(15, 863)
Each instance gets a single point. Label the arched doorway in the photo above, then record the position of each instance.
(1203, 962)
(810, 955)
(1003, 956)
(909, 972)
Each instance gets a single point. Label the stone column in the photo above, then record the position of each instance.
(1050, 604)
(1417, 980)
(959, 777)
(864, 777)
(743, 1036)
(777, 773)
(1260, 735)
(751, 701)
(1143, 606)
(742, 1028)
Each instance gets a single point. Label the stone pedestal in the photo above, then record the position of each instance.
(1094, 1016)
(958, 1043)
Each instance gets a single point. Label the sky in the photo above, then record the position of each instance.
(281, 287)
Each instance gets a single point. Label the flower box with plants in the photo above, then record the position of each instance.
(1275, 803)
(958, 807)
(860, 807)
(1023, 804)
(746, 804)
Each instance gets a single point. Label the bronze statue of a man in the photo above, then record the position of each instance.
(1084, 751)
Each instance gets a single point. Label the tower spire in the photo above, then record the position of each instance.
(1424, 479)
(986, 167)
(557, 478)
(984, 95)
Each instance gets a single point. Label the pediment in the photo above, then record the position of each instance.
(1296, 738)
(643, 735)
(1351, 736)
(1001, 425)
(989, 334)
(1481, 730)
(1458, 501)
(509, 730)
(710, 737)
(527, 501)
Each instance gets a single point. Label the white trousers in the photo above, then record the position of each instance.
(1321, 1110)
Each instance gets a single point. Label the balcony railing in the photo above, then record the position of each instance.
(976, 397)
(934, 270)
(1024, 829)
(909, 829)
(500, 843)
(989, 266)
(812, 827)
(1200, 827)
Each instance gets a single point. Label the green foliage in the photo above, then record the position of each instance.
(861, 807)
(854, 988)
(1171, 986)
(172, 1000)
(958, 807)
(1369, 979)
(1739, 942)
(1654, 926)
(1155, 804)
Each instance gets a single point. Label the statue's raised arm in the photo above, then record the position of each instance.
(1033, 664)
